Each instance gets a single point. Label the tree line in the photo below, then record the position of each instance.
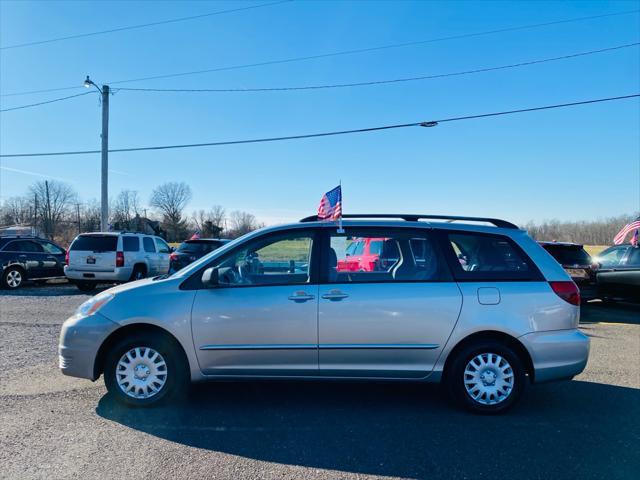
(54, 210)
(593, 232)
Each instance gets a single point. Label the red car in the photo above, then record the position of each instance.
(369, 254)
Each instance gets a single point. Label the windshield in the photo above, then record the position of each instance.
(569, 254)
(95, 243)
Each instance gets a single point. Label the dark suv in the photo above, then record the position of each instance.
(29, 258)
(191, 250)
(577, 263)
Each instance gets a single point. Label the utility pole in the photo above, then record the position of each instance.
(78, 216)
(104, 184)
(104, 191)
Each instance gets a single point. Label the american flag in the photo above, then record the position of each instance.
(629, 227)
(331, 205)
(195, 236)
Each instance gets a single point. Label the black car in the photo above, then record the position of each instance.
(577, 263)
(618, 273)
(191, 250)
(29, 258)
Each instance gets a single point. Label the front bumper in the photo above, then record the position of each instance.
(121, 274)
(80, 340)
(557, 354)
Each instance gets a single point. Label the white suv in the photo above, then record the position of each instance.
(115, 257)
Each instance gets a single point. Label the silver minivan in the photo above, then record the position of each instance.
(473, 303)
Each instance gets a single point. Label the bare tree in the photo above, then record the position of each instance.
(17, 211)
(171, 199)
(210, 223)
(125, 209)
(52, 201)
(241, 223)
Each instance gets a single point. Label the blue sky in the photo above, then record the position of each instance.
(574, 163)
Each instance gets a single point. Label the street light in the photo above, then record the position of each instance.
(104, 190)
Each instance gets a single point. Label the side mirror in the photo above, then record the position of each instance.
(172, 249)
(210, 277)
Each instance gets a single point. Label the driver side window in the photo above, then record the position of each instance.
(275, 260)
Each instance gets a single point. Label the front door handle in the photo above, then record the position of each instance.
(334, 295)
(301, 297)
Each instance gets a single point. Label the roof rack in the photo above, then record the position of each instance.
(416, 217)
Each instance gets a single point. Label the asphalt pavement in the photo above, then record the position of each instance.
(53, 426)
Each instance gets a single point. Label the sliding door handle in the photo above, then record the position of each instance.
(334, 295)
(301, 297)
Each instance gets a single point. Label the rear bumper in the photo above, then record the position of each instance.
(558, 354)
(121, 274)
(80, 340)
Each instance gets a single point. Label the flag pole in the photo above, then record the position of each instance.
(340, 229)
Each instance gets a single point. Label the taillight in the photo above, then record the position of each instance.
(66, 258)
(568, 291)
(173, 257)
(119, 259)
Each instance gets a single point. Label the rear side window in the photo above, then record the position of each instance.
(148, 245)
(95, 243)
(487, 257)
(395, 255)
(130, 244)
(24, 246)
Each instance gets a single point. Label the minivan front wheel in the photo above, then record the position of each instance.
(486, 377)
(143, 370)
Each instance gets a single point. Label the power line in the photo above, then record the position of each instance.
(381, 82)
(46, 102)
(338, 53)
(142, 25)
(430, 123)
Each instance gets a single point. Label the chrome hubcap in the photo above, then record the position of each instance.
(488, 379)
(14, 278)
(141, 372)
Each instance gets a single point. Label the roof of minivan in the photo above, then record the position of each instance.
(397, 224)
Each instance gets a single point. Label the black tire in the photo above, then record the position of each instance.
(13, 277)
(139, 272)
(176, 379)
(455, 377)
(86, 286)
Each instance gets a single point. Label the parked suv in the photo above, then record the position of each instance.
(115, 257)
(274, 304)
(577, 263)
(29, 258)
(191, 250)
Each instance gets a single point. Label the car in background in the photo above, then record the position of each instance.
(29, 258)
(577, 263)
(618, 273)
(369, 255)
(191, 250)
(115, 257)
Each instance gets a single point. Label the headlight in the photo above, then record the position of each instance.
(94, 304)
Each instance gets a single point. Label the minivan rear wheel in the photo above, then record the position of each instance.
(145, 369)
(486, 377)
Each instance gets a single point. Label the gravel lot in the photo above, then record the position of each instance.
(53, 426)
